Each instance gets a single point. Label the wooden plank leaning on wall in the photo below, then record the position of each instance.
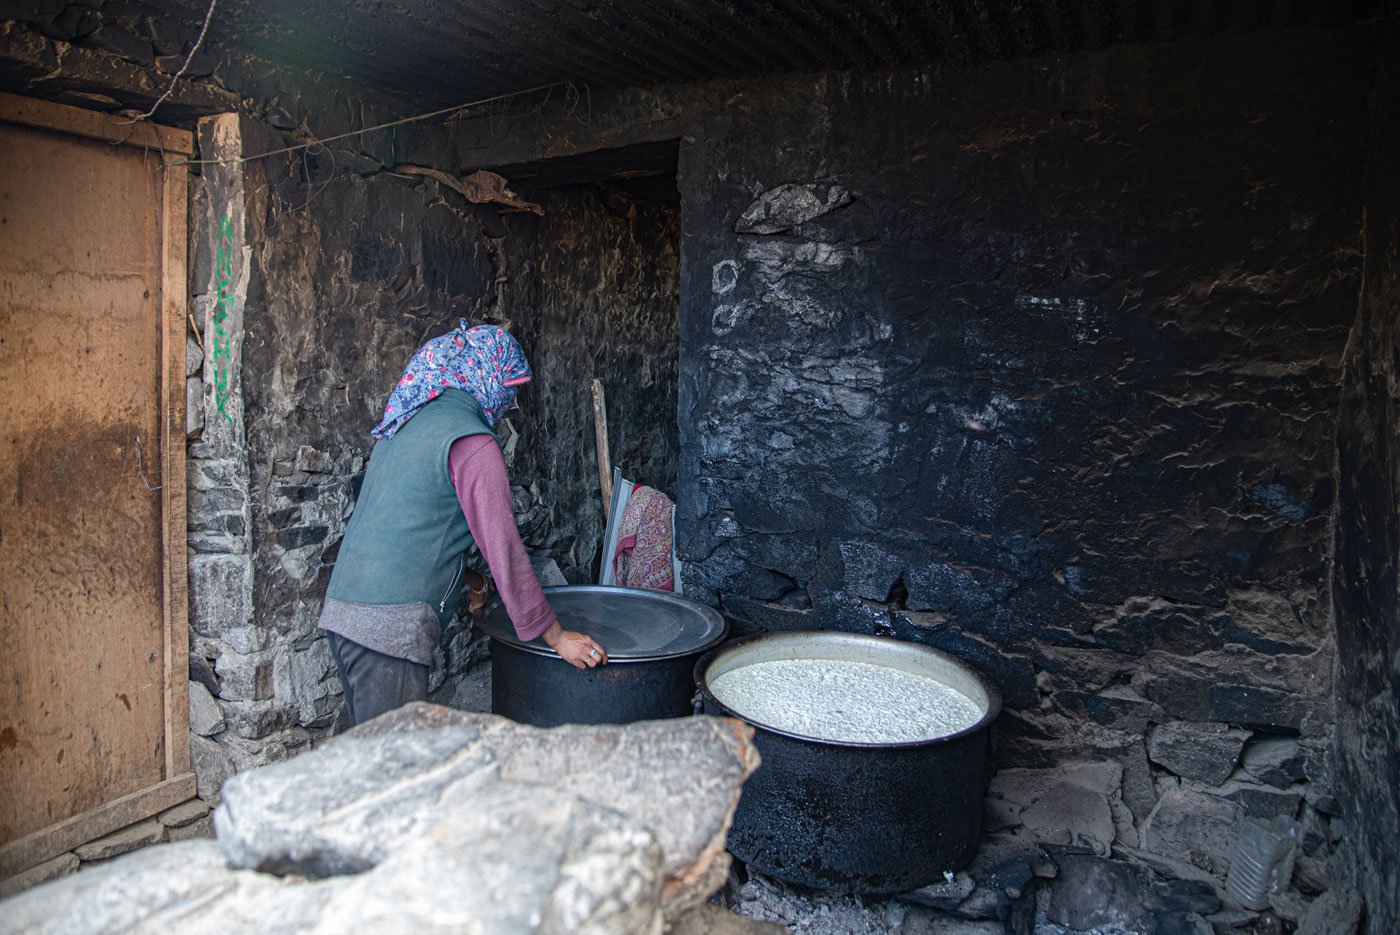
(177, 783)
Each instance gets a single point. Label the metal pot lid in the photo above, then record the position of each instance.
(632, 625)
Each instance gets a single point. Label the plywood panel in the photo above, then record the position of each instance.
(82, 687)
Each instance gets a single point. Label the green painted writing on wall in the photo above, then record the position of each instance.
(223, 274)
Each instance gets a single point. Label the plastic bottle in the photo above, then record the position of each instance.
(1263, 861)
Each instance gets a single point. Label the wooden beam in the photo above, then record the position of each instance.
(174, 202)
(47, 843)
(600, 439)
(90, 123)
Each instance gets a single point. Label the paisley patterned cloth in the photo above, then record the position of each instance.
(485, 361)
(643, 557)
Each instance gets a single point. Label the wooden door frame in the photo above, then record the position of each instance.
(170, 147)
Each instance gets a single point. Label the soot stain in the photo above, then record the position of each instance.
(73, 475)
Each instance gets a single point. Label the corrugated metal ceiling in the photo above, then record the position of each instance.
(448, 51)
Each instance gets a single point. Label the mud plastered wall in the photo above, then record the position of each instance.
(1038, 365)
(342, 270)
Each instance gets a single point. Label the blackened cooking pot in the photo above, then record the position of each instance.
(652, 639)
(858, 817)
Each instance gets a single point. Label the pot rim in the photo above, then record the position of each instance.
(702, 683)
(539, 648)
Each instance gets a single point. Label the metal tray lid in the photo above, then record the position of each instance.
(632, 625)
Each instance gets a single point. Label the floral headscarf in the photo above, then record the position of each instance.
(485, 361)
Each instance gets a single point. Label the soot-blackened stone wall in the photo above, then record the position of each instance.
(347, 269)
(1365, 583)
(594, 295)
(1038, 365)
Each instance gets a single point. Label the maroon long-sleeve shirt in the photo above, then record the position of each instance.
(478, 472)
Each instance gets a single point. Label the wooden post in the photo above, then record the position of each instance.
(600, 438)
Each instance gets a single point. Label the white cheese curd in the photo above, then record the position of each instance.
(852, 702)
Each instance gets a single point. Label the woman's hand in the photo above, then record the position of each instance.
(480, 587)
(579, 651)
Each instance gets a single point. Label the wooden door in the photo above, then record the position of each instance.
(93, 675)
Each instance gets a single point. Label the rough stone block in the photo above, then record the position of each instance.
(1092, 894)
(1117, 708)
(205, 717)
(186, 813)
(1143, 624)
(201, 828)
(1006, 864)
(1187, 895)
(1183, 923)
(198, 65)
(127, 839)
(1082, 669)
(536, 859)
(945, 894)
(1263, 801)
(1336, 912)
(212, 766)
(194, 356)
(308, 678)
(869, 570)
(1275, 761)
(999, 814)
(254, 720)
(1172, 868)
(1071, 814)
(120, 894)
(1124, 824)
(60, 866)
(194, 405)
(220, 601)
(937, 586)
(1025, 786)
(114, 38)
(286, 819)
(394, 775)
(785, 207)
(1204, 752)
(312, 461)
(246, 676)
(1289, 904)
(1235, 686)
(1195, 827)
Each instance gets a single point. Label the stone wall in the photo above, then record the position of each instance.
(321, 274)
(1365, 583)
(1038, 365)
(594, 294)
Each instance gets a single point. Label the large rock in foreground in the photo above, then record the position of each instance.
(677, 779)
(430, 819)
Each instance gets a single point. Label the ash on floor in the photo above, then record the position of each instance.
(765, 899)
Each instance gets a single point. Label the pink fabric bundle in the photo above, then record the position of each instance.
(643, 557)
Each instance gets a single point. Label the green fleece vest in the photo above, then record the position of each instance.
(407, 539)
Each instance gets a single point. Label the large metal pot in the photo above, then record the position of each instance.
(652, 639)
(858, 817)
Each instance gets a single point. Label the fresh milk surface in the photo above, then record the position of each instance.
(855, 702)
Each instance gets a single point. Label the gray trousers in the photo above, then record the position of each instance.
(373, 682)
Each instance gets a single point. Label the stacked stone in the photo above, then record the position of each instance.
(954, 373)
(1062, 854)
(185, 822)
